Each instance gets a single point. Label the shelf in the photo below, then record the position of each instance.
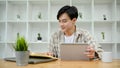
(60, 2)
(104, 9)
(54, 21)
(104, 22)
(17, 0)
(2, 10)
(38, 21)
(35, 28)
(17, 10)
(16, 21)
(104, 1)
(103, 42)
(81, 2)
(13, 29)
(83, 21)
(83, 7)
(107, 28)
(38, 42)
(36, 10)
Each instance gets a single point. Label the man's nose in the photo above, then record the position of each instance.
(61, 23)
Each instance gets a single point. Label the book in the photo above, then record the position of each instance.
(41, 55)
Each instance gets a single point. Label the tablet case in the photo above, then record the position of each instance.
(34, 58)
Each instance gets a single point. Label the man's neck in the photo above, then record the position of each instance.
(70, 32)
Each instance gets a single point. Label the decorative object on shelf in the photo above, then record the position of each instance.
(104, 17)
(80, 15)
(39, 38)
(21, 51)
(39, 15)
(18, 17)
(103, 36)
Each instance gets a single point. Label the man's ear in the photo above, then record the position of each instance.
(74, 20)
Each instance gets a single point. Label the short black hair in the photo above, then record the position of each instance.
(70, 10)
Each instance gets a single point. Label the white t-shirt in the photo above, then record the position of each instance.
(69, 39)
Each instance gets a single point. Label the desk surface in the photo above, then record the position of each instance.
(64, 64)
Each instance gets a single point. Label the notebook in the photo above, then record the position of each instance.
(34, 58)
(73, 51)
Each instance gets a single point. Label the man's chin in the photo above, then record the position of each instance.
(63, 30)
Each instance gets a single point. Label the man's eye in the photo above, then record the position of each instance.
(64, 21)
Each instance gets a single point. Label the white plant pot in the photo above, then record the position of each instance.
(22, 58)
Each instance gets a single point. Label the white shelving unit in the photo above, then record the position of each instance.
(30, 17)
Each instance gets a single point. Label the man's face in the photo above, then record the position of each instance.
(66, 24)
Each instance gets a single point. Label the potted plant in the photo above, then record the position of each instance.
(39, 38)
(21, 51)
(103, 35)
(104, 17)
(80, 15)
(39, 15)
(18, 17)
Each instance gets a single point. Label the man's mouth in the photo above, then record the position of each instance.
(62, 27)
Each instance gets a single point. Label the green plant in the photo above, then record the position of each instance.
(103, 35)
(39, 37)
(80, 15)
(21, 44)
(39, 15)
(104, 17)
(18, 16)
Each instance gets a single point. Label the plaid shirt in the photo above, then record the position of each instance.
(80, 36)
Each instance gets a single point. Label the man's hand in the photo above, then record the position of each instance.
(49, 54)
(90, 51)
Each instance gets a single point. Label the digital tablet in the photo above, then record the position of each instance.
(73, 51)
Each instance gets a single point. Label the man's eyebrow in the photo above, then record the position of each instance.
(62, 19)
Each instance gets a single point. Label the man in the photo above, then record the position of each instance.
(69, 33)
